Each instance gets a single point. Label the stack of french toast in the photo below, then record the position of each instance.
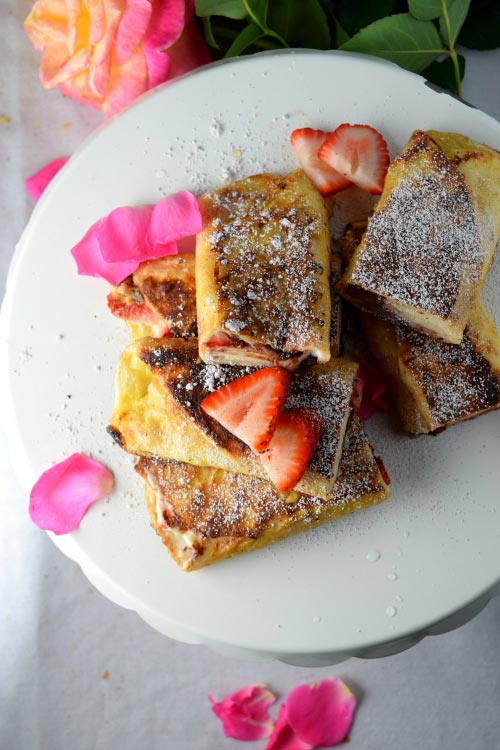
(415, 271)
(255, 314)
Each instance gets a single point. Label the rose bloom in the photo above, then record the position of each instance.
(107, 52)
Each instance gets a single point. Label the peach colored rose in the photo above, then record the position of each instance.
(107, 52)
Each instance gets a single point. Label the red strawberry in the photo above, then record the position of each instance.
(383, 470)
(359, 153)
(249, 407)
(296, 436)
(131, 311)
(306, 143)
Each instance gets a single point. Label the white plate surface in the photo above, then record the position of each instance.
(381, 575)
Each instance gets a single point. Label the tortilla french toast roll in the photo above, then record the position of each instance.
(159, 295)
(160, 384)
(205, 515)
(263, 273)
(435, 384)
(432, 236)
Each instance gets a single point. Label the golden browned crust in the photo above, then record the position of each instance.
(160, 384)
(432, 236)
(435, 384)
(206, 515)
(262, 272)
(169, 288)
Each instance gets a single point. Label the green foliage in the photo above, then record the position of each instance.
(402, 39)
(442, 72)
(419, 35)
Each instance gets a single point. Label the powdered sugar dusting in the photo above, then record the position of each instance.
(424, 246)
(212, 503)
(456, 380)
(268, 236)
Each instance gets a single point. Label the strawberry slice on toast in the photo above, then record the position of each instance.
(296, 435)
(139, 313)
(250, 406)
(359, 153)
(306, 143)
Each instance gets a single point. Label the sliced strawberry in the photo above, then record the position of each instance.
(306, 143)
(296, 436)
(359, 153)
(131, 310)
(383, 470)
(249, 407)
(219, 339)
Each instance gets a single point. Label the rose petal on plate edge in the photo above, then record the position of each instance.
(62, 495)
(118, 243)
(36, 184)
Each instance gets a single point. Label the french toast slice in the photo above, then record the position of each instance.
(160, 384)
(435, 384)
(206, 515)
(165, 289)
(262, 273)
(432, 236)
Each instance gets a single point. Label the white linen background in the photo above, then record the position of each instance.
(58, 635)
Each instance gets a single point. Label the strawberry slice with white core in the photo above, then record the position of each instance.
(250, 406)
(296, 436)
(131, 310)
(306, 143)
(359, 153)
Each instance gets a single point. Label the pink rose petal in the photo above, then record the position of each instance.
(117, 244)
(244, 713)
(36, 184)
(284, 736)
(321, 714)
(62, 495)
(173, 218)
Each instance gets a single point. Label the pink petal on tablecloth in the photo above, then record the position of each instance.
(36, 184)
(244, 713)
(62, 495)
(284, 736)
(321, 714)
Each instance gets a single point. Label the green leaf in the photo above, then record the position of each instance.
(228, 8)
(402, 39)
(457, 12)
(481, 29)
(425, 10)
(442, 73)
(354, 15)
(245, 39)
(257, 10)
(301, 24)
(208, 32)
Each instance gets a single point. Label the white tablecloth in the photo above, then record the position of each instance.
(76, 671)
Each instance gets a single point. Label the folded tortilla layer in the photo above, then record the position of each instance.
(205, 515)
(263, 272)
(160, 384)
(432, 236)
